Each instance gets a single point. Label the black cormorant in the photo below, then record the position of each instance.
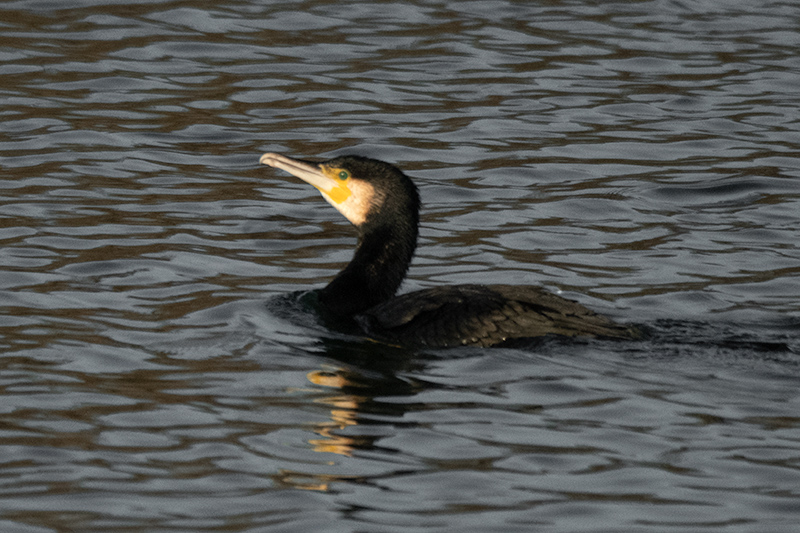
(383, 204)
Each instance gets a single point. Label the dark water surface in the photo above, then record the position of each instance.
(641, 157)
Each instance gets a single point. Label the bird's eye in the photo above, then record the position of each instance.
(343, 175)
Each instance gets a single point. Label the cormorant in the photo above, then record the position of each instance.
(383, 204)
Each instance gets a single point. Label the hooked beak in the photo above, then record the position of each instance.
(332, 190)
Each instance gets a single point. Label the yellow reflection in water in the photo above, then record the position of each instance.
(344, 412)
(344, 409)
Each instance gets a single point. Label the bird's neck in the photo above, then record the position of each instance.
(375, 272)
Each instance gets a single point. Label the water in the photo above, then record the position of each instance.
(641, 157)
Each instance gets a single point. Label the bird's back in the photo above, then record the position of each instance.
(482, 315)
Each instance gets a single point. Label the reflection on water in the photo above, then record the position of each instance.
(641, 157)
(344, 411)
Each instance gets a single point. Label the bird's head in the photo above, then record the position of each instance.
(361, 189)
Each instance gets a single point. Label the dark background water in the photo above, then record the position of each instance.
(641, 157)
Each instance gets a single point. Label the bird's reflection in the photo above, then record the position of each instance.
(361, 375)
(344, 409)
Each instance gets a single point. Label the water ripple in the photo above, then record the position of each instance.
(160, 373)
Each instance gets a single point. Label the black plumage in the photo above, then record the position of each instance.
(483, 315)
(383, 204)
